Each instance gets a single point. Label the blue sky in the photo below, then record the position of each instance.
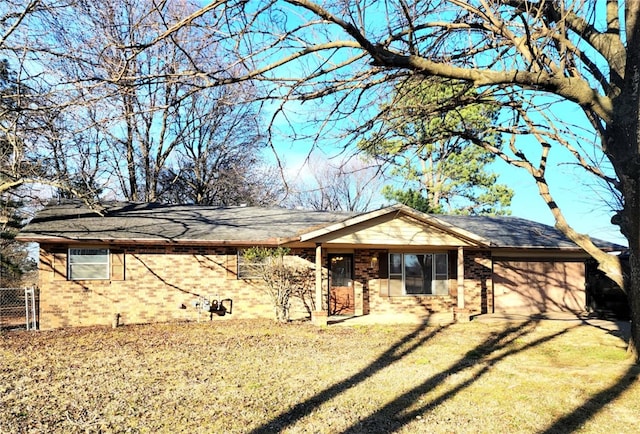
(580, 200)
(583, 208)
(585, 211)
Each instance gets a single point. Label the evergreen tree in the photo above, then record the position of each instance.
(426, 138)
(17, 268)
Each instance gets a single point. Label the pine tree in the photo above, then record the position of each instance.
(425, 139)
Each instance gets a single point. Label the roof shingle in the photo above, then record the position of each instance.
(137, 221)
(144, 222)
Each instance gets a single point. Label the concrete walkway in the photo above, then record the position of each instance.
(371, 319)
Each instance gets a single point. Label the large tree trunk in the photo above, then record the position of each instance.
(633, 295)
(627, 165)
(629, 221)
(622, 145)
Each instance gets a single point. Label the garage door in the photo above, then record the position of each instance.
(530, 287)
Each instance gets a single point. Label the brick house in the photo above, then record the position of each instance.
(144, 263)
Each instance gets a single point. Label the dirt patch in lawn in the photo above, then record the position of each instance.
(258, 376)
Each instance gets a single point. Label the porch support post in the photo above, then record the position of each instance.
(318, 277)
(319, 316)
(460, 278)
(460, 313)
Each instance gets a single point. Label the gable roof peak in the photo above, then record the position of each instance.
(428, 219)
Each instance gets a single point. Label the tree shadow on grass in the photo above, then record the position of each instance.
(573, 421)
(397, 351)
(477, 362)
(394, 415)
(480, 361)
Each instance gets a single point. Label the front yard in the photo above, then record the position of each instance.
(261, 377)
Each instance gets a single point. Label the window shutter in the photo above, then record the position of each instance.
(59, 265)
(117, 265)
(383, 273)
(383, 265)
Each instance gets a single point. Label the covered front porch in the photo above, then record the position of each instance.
(354, 284)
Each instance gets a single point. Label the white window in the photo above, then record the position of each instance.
(418, 274)
(88, 264)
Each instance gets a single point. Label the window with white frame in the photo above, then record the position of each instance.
(418, 274)
(88, 263)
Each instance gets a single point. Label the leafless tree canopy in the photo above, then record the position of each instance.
(352, 184)
(123, 112)
(338, 58)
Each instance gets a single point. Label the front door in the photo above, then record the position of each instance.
(341, 294)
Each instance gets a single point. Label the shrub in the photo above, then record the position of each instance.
(283, 277)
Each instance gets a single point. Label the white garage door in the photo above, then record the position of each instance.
(530, 287)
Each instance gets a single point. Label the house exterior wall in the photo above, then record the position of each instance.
(160, 284)
(392, 230)
(425, 308)
(478, 283)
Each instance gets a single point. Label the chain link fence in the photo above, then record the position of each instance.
(19, 308)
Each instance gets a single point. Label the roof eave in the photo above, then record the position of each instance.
(149, 241)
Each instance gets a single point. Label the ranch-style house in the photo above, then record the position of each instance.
(141, 263)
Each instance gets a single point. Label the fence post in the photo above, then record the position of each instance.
(30, 297)
(26, 306)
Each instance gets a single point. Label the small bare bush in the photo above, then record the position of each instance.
(283, 277)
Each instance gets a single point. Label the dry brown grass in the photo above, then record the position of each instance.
(258, 376)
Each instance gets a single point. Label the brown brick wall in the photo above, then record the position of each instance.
(417, 306)
(478, 286)
(160, 284)
(366, 271)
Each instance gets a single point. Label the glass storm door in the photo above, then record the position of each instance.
(341, 294)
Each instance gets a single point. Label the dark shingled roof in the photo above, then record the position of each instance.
(140, 222)
(507, 231)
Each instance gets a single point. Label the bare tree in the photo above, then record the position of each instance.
(352, 184)
(539, 59)
(282, 276)
(18, 162)
(220, 161)
(32, 117)
(120, 116)
(529, 55)
(141, 107)
(130, 99)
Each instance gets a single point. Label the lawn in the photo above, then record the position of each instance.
(261, 377)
